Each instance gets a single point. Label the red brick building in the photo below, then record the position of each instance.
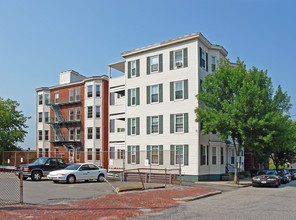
(72, 119)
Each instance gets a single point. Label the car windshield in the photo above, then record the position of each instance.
(266, 172)
(73, 167)
(40, 161)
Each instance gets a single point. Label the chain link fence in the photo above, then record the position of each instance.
(11, 190)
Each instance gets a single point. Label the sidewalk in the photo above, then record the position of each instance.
(242, 182)
(120, 206)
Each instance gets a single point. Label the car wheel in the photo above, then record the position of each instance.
(71, 179)
(55, 181)
(101, 178)
(36, 176)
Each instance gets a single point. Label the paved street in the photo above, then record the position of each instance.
(243, 203)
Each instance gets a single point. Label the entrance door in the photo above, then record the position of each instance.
(71, 156)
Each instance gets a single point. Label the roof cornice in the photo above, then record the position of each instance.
(103, 77)
(197, 35)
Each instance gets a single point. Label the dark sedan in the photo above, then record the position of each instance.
(293, 173)
(266, 178)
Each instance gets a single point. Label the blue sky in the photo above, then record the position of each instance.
(40, 39)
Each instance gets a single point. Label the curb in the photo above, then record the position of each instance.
(188, 199)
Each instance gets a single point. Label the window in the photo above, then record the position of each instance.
(214, 155)
(222, 155)
(134, 154)
(133, 96)
(40, 116)
(98, 111)
(46, 117)
(133, 68)
(77, 114)
(119, 130)
(46, 152)
(78, 134)
(71, 114)
(155, 155)
(232, 157)
(89, 91)
(56, 152)
(40, 152)
(40, 99)
(89, 133)
(179, 58)
(98, 133)
(112, 125)
(120, 154)
(56, 98)
(154, 93)
(98, 90)
(112, 152)
(89, 112)
(46, 135)
(71, 95)
(179, 154)
(89, 154)
(203, 155)
(154, 124)
(40, 135)
(46, 99)
(77, 155)
(179, 90)
(133, 126)
(98, 154)
(77, 94)
(179, 123)
(202, 58)
(71, 134)
(154, 63)
(213, 64)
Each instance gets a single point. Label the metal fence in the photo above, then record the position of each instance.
(11, 190)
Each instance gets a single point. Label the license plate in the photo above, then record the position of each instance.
(263, 181)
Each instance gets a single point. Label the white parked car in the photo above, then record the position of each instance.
(76, 172)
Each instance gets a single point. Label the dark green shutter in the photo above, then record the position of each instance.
(137, 126)
(172, 155)
(186, 89)
(186, 127)
(148, 153)
(137, 96)
(148, 94)
(160, 63)
(129, 97)
(160, 154)
(200, 59)
(129, 69)
(185, 54)
(207, 66)
(207, 155)
(160, 93)
(171, 60)
(160, 121)
(137, 154)
(201, 151)
(186, 155)
(172, 124)
(148, 65)
(129, 154)
(137, 67)
(128, 126)
(148, 125)
(172, 91)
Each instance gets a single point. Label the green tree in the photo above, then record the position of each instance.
(234, 103)
(12, 125)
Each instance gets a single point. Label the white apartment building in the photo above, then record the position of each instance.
(152, 108)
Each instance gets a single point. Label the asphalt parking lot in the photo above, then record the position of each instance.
(47, 192)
